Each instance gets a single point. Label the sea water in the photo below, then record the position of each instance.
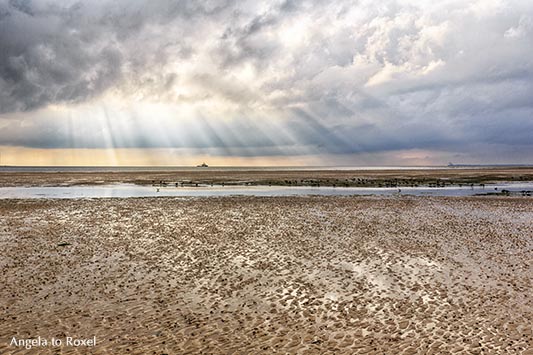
(132, 190)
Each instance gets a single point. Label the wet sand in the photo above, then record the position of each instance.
(286, 275)
(359, 178)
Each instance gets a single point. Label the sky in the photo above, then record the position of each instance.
(161, 82)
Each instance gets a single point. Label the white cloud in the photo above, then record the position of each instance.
(524, 27)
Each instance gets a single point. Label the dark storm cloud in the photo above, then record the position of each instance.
(57, 52)
(44, 60)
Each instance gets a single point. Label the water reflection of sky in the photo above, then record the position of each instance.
(130, 190)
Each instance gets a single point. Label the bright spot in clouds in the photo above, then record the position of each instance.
(266, 82)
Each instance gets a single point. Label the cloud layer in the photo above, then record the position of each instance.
(269, 78)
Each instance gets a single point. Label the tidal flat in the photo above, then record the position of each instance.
(353, 177)
(267, 275)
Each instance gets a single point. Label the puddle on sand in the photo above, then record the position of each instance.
(131, 190)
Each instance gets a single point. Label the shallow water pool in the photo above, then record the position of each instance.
(131, 190)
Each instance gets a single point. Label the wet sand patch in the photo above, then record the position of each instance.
(298, 275)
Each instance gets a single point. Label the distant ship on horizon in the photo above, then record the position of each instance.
(452, 165)
(203, 165)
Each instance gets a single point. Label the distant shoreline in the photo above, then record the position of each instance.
(93, 169)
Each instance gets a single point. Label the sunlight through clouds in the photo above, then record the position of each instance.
(268, 80)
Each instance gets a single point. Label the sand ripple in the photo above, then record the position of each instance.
(307, 275)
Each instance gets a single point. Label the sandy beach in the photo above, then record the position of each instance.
(266, 177)
(251, 275)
